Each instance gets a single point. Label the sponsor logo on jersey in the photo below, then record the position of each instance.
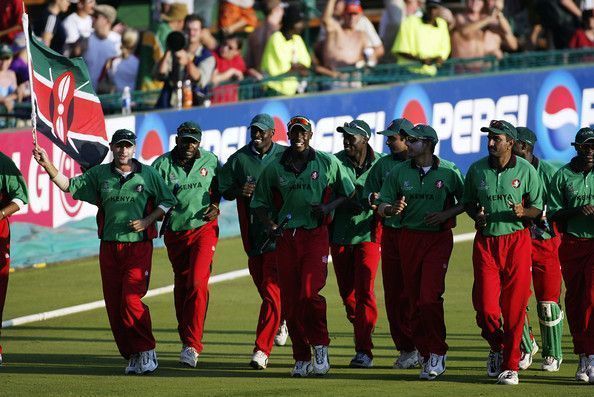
(406, 185)
(439, 184)
(483, 185)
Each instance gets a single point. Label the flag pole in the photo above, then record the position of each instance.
(27, 31)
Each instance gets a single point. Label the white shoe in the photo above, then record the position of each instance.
(0, 359)
(189, 356)
(301, 369)
(320, 361)
(361, 360)
(132, 368)
(551, 364)
(407, 360)
(590, 368)
(280, 339)
(508, 377)
(581, 375)
(148, 362)
(526, 358)
(434, 367)
(259, 360)
(494, 364)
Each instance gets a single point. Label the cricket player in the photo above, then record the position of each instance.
(13, 196)
(355, 242)
(546, 269)
(397, 306)
(191, 231)
(425, 192)
(238, 182)
(130, 197)
(501, 192)
(300, 185)
(571, 204)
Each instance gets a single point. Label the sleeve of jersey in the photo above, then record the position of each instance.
(403, 39)
(343, 184)
(535, 189)
(459, 184)
(469, 196)
(555, 202)
(163, 196)
(303, 54)
(227, 176)
(85, 187)
(263, 194)
(268, 63)
(16, 186)
(387, 193)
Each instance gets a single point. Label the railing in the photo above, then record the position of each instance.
(350, 78)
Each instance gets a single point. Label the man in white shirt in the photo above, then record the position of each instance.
(79, 24)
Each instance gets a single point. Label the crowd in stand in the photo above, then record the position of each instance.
(257, 39)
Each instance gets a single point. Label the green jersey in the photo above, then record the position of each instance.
(290, 192)
(192, 186)
(346, 227)
(494, 190)
(244, 166)
(12, 185)
(122, 198)
(434, 190)
(540, 229)
(377, 175)
(571, 188)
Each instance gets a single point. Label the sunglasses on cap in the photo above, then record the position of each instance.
(188, 131)
(497, 124)
(298, 120)
(412, 139)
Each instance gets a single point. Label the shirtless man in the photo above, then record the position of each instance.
(343, 45)
(482, 30)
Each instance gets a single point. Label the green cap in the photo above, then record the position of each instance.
(526, 135)
(300, 121)
(396, 126)
(263, 121)
(584, 135)
(422, 131)
(5, 51)
(356, 127)
(501, 127)
(189, 129)
(123, 135)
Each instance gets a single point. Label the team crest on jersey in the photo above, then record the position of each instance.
(483, 185)
(139, 188)
(105, 186)
(516, 183)
(203, 171)
(406, 185)
(439, 184)
(173, 178)
(314, 175)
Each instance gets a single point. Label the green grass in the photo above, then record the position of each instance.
(76, 355)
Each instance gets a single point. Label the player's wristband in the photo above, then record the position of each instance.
(381, 210)
(61, 181)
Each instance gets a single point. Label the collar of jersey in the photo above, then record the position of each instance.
(510, 164)
(434, 166)
(573, 165)
(287, 159)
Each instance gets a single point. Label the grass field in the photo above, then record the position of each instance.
(76, 355)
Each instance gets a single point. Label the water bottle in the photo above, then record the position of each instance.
(180, 96)
(126, 101)
(187, 95)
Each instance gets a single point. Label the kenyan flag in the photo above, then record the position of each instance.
(65, 107)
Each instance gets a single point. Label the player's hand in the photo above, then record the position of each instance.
(319, 210)
(587, 210)
(371, 199)
(139, 225)
(248, 189)
(40, 155)
(435, 218)
(480, 220)
(399, 206)
(211, 213)
(518, 209)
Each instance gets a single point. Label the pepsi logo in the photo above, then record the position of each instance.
(280, 114)
(70, 169)
(414, 105)
(152, 138)
(557, 115)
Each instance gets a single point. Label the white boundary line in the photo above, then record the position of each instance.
(154, 292)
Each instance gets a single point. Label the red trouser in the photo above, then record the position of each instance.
(355, 267)
(302, 270)
(263, 269)
(125, 275)
(424, 257)
(546, 269)
(398, 308)
(502, 287)
(4, 264)
(190, 253)
(577, 263)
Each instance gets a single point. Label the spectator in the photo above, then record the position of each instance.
(205, 9)
(122, 71)
(478, 34)
(172, 21)
(103, 44)
(196, 63)
(50, 25)
(286, 52)
(237, 16)
(230, 67)
(392, 17)
(423, 41)
(19, 63)
(78, 25)
(10, 19)
(273, 11)
(584, 37)
(8, 83)
(561, 18)
(149, 53)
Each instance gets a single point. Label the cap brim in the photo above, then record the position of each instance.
(130, 141)
(589, 140)
(388, 132)
(197, 138)
(305, 127)
(261, 126)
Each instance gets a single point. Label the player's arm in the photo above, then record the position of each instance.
(59, 179)
(16, 188)
(215, 196)
(342, 186)
(163, 196)
(533, 197)
(390, 201)
(457, 183)
(262, 200)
